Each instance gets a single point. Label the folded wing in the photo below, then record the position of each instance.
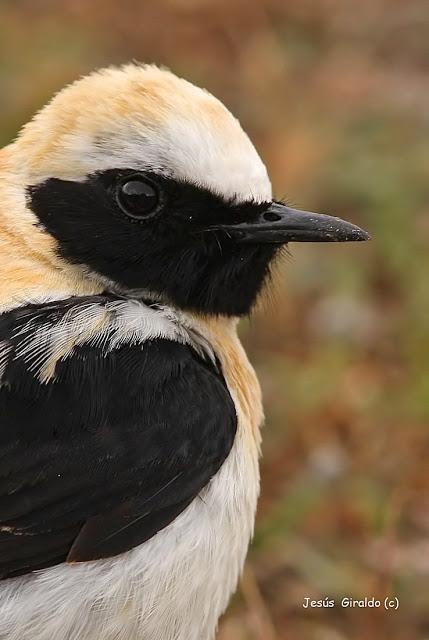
(108, 450)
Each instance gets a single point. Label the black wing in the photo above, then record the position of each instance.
(108, 452)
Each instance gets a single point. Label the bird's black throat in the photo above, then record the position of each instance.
(171, 254)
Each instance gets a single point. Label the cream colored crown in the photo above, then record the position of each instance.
(141, 117)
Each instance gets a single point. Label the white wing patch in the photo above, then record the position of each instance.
(106, 326)
(5, 350)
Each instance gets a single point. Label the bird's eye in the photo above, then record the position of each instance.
(138, 197)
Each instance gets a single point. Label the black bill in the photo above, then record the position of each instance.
(280, 224)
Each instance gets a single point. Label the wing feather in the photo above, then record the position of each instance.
(108, 450)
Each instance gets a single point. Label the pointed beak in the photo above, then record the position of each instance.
(280, 224)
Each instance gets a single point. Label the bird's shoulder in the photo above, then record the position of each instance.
(114, 416)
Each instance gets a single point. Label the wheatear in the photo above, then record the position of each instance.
(137, 224)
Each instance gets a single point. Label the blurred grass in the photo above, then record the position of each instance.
(335, 96)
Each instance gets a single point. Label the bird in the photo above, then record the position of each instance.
(137, 226)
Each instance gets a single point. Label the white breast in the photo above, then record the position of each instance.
(173, 587)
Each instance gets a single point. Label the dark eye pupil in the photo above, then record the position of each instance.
(138, 198)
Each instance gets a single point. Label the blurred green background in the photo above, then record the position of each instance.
(335, 94)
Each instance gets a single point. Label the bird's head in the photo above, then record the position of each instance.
(149, 184)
